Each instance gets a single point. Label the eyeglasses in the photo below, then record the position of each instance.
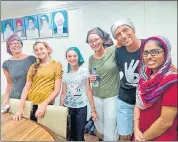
(15, 43)
(94, 41)
(153, 52)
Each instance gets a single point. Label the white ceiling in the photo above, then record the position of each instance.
(10, 8)
(17, 5)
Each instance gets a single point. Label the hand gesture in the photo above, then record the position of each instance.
(132, 77)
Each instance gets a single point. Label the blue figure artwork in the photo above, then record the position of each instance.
(45, 27)
(7, 28)
(60, 23)
(19, 27)
(31, 25)
(2, 36)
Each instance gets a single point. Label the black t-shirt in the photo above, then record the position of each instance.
(127, 62)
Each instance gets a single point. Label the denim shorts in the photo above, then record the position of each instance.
(124, 118)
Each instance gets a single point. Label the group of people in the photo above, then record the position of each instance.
(141, 106)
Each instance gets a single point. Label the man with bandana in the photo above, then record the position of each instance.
(127, 59)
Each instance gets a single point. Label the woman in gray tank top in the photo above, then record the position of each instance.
(15, 69)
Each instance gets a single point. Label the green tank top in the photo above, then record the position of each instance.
(109, 74)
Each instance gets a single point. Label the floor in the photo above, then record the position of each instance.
(89, 137)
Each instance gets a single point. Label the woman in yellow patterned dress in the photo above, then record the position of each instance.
(42, 84)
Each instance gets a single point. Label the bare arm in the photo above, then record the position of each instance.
(136, 117)
(64, 91)
(90, 95)
(91, 100)
(137, 133)
(165, 121)
(24, 96)
(8, 87)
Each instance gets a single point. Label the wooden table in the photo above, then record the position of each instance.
(24, 130)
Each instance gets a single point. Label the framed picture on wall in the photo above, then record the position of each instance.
(2, 36)
(7, 28)
(60, 23)
(19, 27)
(45, 26)
(31, 26)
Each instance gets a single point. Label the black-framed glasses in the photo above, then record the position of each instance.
(93, 41)
(153, 52)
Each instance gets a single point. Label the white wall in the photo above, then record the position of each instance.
(149, 18)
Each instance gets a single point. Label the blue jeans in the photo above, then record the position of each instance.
(78, 122)
(124, 118)
(34, 109)
(32, 116)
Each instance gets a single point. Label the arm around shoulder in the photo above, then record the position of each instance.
(19, 114)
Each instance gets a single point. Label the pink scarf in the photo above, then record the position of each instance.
(150, 90)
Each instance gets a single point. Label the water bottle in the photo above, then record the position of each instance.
(96, 82)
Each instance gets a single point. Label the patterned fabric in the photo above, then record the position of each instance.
(43, 83)
(150, 90)
(107, 41)
(80, 58)
(76, 96)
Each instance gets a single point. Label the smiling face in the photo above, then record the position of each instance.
(72, 58)
(95, 42)
(125, 35)
(15, 47)
(41, 51)
(157, 59)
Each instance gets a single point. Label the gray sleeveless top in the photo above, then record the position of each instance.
(18, 70)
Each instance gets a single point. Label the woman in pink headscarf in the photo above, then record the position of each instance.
(155, 115)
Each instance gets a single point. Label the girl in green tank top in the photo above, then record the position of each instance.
(105, 94)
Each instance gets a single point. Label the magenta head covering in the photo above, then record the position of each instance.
(149, 90)
(10, 39)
